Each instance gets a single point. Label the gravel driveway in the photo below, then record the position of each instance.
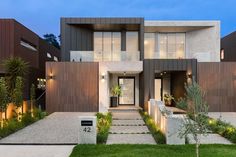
(57, 128)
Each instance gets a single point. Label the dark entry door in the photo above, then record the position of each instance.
(127, 90)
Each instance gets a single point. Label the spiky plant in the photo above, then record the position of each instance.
(195, 122)
(14, 67)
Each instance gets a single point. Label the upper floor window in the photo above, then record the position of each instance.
(49, 55)
(55, 58)
(28, 45)
(164, 45)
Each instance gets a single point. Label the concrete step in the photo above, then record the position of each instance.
(130, 139)
(128, 123)
(129, 130)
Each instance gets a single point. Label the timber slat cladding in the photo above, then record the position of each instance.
(218, 80)
(74, 88)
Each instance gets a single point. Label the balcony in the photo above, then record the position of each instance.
(93, 56)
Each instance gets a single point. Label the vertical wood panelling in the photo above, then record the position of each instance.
(218, 80)
(74, 89)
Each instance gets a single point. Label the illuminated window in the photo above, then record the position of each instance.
(28, 45)
(55, 58)
(222, 54)
(49, 55)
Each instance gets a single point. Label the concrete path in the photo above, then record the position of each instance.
(229, 117)
(129, 128)
(35, 151)
(210, 139)
(57, 128)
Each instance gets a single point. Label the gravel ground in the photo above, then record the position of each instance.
(57, 128)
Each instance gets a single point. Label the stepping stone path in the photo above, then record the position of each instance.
(128, 127)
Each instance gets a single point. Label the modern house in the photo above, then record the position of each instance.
(148, 59)
(228, 48)
(18, 41)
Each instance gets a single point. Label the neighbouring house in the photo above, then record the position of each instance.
(16, 40)
(228, 48)
(148, 59)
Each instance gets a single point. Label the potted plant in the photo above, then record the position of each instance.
(116, 92)
(168, 99)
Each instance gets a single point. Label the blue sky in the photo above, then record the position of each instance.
(43, 16)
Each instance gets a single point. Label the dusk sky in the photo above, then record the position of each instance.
(43, 16)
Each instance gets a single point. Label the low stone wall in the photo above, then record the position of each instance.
(169, 123)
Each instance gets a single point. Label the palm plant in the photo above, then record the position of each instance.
(14, 67)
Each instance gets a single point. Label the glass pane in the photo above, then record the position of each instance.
(149, 45)
(116, 46)
(127, 91)
(98, 43)
(162, 44)
(171, 45)
(107, 46)
(180, 45)
(132, 42)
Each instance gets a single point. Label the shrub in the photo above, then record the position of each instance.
(153, 128)
(27, 119)
(224, 129)
(103, 125)
(38, 113)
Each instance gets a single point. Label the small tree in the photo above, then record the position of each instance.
(196, 116)
(17, 96)
(32, 96)
(3, 97)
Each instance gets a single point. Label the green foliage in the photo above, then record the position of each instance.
(154, 129)
(116, 90)
(14, 67)
(142, 150)
(103, 125)
(39, 114)
(3, 95)
(224, 129)
(182, 103)
(14, 124)
(52, 39)
(17, 96)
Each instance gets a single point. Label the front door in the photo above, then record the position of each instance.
(127, 90)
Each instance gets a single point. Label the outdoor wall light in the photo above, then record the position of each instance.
(50, 77)
(189, 75)
(103, 77)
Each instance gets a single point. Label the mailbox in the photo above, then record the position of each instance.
(87, 130)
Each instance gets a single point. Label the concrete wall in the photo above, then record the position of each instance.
(105, 68)
(204, 44)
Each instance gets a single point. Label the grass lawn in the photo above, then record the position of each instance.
(153, 151)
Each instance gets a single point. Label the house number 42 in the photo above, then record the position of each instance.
(87, 129)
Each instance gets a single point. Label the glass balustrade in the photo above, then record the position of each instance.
(96, 56)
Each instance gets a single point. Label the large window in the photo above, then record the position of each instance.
(106, 45)
(164, 45)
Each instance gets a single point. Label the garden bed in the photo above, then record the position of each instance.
(14, 124)
(153, 128)
(222, 128)
(104, 122)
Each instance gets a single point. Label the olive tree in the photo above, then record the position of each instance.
(32, 96)
(195, 122)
